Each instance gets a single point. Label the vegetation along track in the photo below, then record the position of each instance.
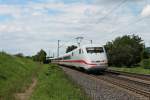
(136, 86)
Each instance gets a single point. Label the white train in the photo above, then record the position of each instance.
(89, 57)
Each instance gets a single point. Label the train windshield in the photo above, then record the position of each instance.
(94, 50)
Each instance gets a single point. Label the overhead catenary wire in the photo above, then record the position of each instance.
(64, 44)
(112, 10)
(134, 22)
(70, 41)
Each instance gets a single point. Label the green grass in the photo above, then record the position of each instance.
(15, 73)
(53, 84)
(145, 63)
(139, 70)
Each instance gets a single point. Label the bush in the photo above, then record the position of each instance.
(146, 63)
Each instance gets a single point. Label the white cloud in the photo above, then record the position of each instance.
(14, 11)
(33, 27)
(146, 11)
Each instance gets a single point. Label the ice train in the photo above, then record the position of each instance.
(91, 57)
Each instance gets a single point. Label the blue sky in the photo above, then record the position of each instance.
(5, 18)
(30, 25)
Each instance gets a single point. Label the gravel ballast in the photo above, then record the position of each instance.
(101, 90)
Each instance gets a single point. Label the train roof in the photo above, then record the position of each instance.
(83, 46)
(92, 45)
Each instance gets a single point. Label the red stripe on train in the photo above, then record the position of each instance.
(77, 61)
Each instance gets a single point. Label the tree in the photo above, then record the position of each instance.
(40, 56)
(70, 48)
(19, 55)
(35, 57)
(125, 51)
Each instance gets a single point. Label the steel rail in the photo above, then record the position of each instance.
(134, 75)
(133, 89)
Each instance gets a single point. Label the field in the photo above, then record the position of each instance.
(53, 84)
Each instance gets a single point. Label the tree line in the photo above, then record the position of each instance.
(38, 57)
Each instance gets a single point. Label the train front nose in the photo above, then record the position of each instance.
(100, 62)
(97, 58)
(99, 66)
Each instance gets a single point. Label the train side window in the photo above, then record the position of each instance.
(79, 51)
(67, 57)
(72, 53)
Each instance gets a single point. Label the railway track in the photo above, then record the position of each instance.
(134, 75)
(137, 83)
(135, 86)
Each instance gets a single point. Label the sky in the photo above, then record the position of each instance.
(26, 26)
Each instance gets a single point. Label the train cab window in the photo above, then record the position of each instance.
(94, 50)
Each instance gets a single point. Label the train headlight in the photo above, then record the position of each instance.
(100, 61)
(93, 61)
(96, 61)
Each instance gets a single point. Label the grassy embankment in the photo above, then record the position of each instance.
(53, 84)
(15, 73)
(138, 69)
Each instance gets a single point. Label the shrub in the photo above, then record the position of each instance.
(146, 63)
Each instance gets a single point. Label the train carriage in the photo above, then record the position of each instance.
(90, 57)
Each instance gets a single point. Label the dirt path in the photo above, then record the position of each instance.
(28, 91)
